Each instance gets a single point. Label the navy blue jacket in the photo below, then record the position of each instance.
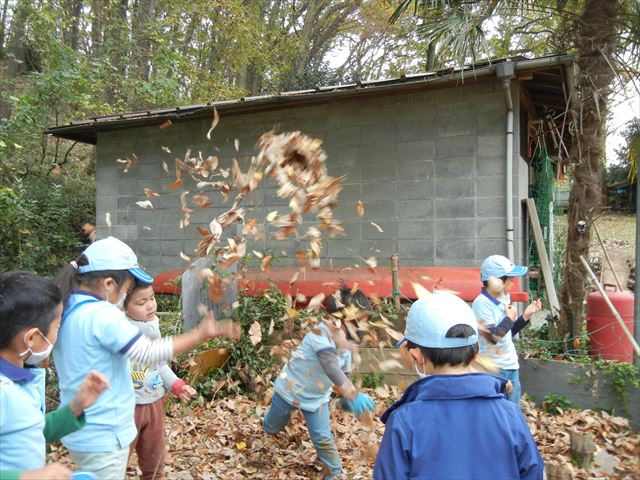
(456, 427)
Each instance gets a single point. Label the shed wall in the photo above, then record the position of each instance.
(428, 166)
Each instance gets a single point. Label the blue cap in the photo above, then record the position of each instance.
(431, 317)
(113, 254)
(83, 475)
(499, 266)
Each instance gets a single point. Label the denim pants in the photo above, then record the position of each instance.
(318, 424)
(514, 376)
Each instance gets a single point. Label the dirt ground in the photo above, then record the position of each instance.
(224, 440)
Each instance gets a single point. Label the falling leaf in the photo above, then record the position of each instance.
(150, 193)
(146, 227)
(166, 150)
(360, 208)
(271, 216)
(316, 301)
(421, 292)
(255, 333)
(184, 257)
(107, 219)
(241, 445)
(236, 143)
(165, 167)
(56, 170)
(145, 204)
(390, 364)
(372, 263)
(266, 263)
(166, 124)
(294, 277)
(176, 184)
(258, 254)
(214, 122)
(377, 227)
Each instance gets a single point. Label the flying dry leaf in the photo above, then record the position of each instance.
(165, 167)
(166, 150)
(255, 333)
(186, 258)
(176, 184)
(360, 208)
(214, 122)
(377, 227)
(372, 263)
(316, 302)
(146, 227)
(271, 216)
(236, 144)
(421, 292)
(166, 124)
(56, 170)
(258, 254)
(266, 263)
(150, 193)
(294, 277)
(145, 204)
(107, 219)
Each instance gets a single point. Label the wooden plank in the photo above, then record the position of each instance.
(544, 259)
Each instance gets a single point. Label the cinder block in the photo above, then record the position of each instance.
(416, 130)
(107, 203)
(126, 201)
(458, 188)
(378, 154)
(455, 208)
(458, 123)
(455, 228)
(496, 246)
(492, 122)
(106, 171)
(490, 186)
(389, 230)
(414, 209)
(456, 167)
(416, 150)
(490, 166)
(384, 189)
(372, 111)
(450, 262)
(341, 155)
(129, 186)
(271, 198)
(416, 190)
(491, 227)
(415, 230)
(378, 172)
(459, 249)
(169, 262)
(419, 249)
(128, 216)
(378, 248)
(339, 247)
(148, 248)
(491, 207)
(491, 146)
(383, 210)
(379, 133)
(421, 170)
(350, 194)
(459, 146)
(171, 247)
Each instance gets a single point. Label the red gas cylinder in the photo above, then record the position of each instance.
(606, 337)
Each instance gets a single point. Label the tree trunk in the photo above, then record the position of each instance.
(73, 10)
(97, 15)
(3, 20)
(596, 43)
(15, 52)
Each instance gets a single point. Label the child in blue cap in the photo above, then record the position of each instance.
(95, 334)
(497, 315)
(307, 380)
(454, 423)
(30, 311)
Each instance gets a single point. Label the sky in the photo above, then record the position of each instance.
(624, 108)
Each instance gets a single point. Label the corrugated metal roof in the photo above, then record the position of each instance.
(86, 130)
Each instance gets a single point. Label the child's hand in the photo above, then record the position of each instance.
(210, 328)
(361, 404)
(186, 393)
(534, 307)
(53, 471)
(92, 386)
(512, 312)
(508, 388)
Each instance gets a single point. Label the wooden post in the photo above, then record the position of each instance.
(606, 255)
(395, 282)
(582, 448)
(559, 471)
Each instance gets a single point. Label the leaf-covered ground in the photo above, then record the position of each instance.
(224, 440)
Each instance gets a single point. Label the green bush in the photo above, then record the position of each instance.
(41, 220)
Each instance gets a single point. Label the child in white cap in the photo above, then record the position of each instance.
(453, 423)
(494, 311)
(96, 335)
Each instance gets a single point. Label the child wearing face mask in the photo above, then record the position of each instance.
(455, 423)
(150, 384)
(95, 334)
(494, 311)
(30, 310)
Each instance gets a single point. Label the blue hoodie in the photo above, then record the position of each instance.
(456, 427)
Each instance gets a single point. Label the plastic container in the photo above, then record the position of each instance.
(606, 337)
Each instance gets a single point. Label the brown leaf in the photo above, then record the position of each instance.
(214, 122)
(150, 193)
(360, 208)
(176, 184)
(255, 333)
(166, 150)
(166, 124)
(265, 265)
(377, 227)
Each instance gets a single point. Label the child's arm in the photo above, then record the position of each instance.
(69, 418)
(175, 385)
(53, 471)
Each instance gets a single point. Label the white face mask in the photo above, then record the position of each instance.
(121, 298)
(420, 374)
(34, 358)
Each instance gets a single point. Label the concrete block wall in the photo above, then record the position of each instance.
(428, 166)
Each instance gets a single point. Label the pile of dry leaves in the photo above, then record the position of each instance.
(224, 440)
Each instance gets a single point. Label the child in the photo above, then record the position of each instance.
(452, 423)
(30, 310)
(150, 384)
(305, 383)
(495, 313)
(95, 334)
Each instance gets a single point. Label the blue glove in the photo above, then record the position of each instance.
(360, 404)
(83, 475)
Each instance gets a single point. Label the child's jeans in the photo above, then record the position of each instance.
(318, 424)
(104, 465)
(149, 443)
(514, 376)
